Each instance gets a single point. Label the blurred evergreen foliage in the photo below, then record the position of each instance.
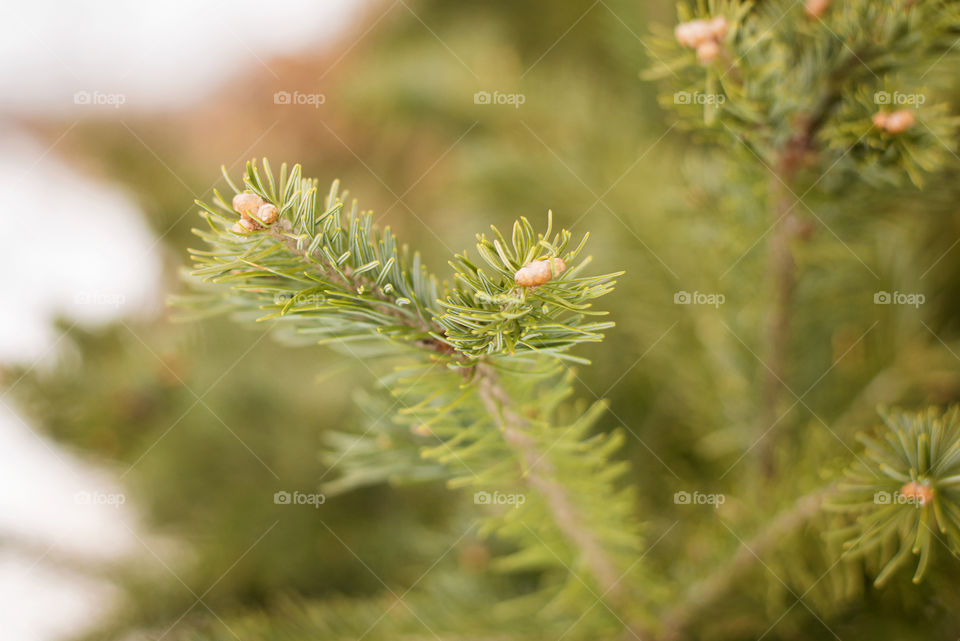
(663, 202)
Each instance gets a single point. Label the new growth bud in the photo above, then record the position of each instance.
(895, 122)
(703, 35)
(254, 213)
(539, 272)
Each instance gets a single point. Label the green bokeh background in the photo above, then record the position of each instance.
(589, 142)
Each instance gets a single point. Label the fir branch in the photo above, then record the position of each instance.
(541, 476)
(720, 582)
(800, 102)
(782, 269)
(904, 494)
(460, 345)
(348, 280)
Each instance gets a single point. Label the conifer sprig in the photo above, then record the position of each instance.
(786, 78)
(905, 494)
(327, 269)
(480, 383)
(828, 102)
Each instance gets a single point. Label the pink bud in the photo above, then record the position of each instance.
(708, 51)
(247, 203)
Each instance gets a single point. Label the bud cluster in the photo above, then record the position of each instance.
(703, 35)
(894, 122)
(539, 272)
(254, 213)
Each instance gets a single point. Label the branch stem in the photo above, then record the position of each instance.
(782, 270)
(539, 474)
(721, 582)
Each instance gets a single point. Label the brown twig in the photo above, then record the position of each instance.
(782, 270)
(539, 474)
(721, 582)
(781, 267)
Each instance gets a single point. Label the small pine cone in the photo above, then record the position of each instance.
(719, 27)
(249, 224)
(918, 492)
(692, 34)
(880, 120)
(708, 51)
(900, 121)
(247, 203)
(539, 272)
(237, 229)
(268, 214)
(816, 8)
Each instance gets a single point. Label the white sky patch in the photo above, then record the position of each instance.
(76, 249)
(154, 55)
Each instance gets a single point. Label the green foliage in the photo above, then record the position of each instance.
(446, 607)
(905, 491)
(802, 90)
(684, 381)
(341, 278)
(879, 158)
(477, 374)
(491, 315)
(446, 429)
(784, 75)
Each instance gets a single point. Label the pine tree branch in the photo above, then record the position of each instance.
(347, 280)
(342, 278)
(781, 263)
(901, 492)
(539, 475)
(721, 582)
(782, 270)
